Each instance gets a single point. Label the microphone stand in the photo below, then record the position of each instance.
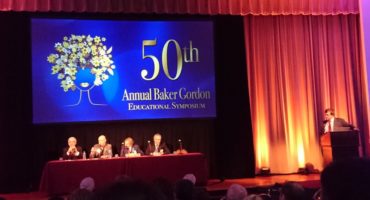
(180, 143)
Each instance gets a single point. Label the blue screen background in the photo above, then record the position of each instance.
(50, 102)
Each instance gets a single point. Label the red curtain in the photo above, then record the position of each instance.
(297, 67)
(206, 7)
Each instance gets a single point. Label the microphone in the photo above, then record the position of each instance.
(150, 147)
(180, 144)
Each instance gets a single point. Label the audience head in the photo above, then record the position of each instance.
(102, 140)
(81, 194)
(123, 177)
(254, 197)
(87, 183)
(128, 142)
(349, 179)
(130, 189)
(72, 141)
(329, 113)
(184, 190)
(191, 178)
(157, 138)
(51, 198)
(165, 187)
(264, 196)
(292, 191)
(236, 192)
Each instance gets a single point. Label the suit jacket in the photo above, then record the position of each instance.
(338, 122)
(151, 148)
(98, 151)
(125, 150)
(72, 156)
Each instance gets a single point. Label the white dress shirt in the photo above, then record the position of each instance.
(329, 123)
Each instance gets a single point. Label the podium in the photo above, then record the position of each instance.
(340, 145)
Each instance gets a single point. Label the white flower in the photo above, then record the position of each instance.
(69, 80)
(71, 64)
(67, 71)
(61, 76)
(58, 62)
(81, 51)
(101, 52)
(57, 44)
(98, 81)
(89, 38)
(104, 77)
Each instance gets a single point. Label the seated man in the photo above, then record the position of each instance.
(292, 191)
(72, 151)
(331, 123)
(158, 148)
(129, 148)
(102, 149)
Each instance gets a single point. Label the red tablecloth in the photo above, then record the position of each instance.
(60, 177)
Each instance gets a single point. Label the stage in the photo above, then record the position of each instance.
(217, 188)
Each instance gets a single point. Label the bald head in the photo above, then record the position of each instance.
(72, 141)
(129, 142)
(157, 139)
(102, 140)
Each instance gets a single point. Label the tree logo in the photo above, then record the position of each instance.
(82, 62)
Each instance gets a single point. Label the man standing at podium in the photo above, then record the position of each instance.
(331, 123)
(338, 140)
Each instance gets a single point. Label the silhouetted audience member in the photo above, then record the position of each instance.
(123, 177)
(191, 178)
(56, 198)
(87, 183)
(130, 189)
(236, 192)
(292, 191)
(199, 193)
(345, 180)
(81, 194)
(264, 196)
(2, 198)
(184, 190)
(254, 197)
(165, 187)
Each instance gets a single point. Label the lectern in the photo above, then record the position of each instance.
(340, 145)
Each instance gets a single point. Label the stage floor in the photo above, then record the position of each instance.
(215, 186)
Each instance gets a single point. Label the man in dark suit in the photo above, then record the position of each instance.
(331, 123)
(72, 151)
(129, 148)
(158, 148)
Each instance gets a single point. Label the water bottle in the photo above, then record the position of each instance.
(84, 155)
